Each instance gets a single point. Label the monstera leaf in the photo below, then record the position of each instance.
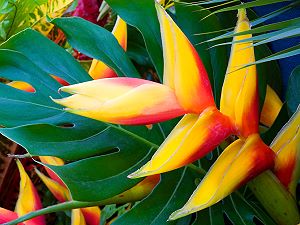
(42, 128)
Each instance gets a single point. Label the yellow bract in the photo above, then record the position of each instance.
(239, 99)
(271, 108)
(236, 165)
(183, 69)
(28, 199)
(98, 69)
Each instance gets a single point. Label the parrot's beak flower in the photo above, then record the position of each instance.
(28, 200)
(287, 148)
(91, 215)
(238, 163)
(186, 90)
(98, 69)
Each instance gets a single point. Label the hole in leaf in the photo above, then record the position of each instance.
(21, 85)
(66, 125)
(104, 152)
(60, 80)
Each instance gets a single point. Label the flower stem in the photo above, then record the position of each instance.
(51, 209)
(277, 201)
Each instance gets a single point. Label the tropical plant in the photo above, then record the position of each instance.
(99, 153)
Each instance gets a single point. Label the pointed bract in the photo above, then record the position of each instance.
(271, 108)
(51, 160)
(91, 215)
(239, 99)
(61, 193)
(287, 147)
(136, 193)
(192, 138)
(98, 69)
(183, 69)
(28, 199)
(239, 162)
(123, 101)
(77, 217)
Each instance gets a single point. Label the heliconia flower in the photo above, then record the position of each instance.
(238, 163)
(192, 138)
(239, 99)
(122, 100)
(7, 215)
(28, 199)
(77, 217)
(60, 192)
(186, 90)
(186, 87)
(286, 145)
(51, 160)
(271, 107)
(136, 193)
(98, 69)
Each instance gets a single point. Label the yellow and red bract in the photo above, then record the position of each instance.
(239, 99)
(91, 215)
(271, 107)
(287, 148)
(108, 100)
(98, 69)
(192, 138)
(238, 163)
(28, 199)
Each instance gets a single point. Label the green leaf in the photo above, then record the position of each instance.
(248, 5)
(48, 56)
(293, 91)
(285, 33)
(92, 40)
(289, 52)
(210, 216)
(189, 18)
(234, 209)
(261, 29)
(136, 49)
(142, 15)
(170, 194)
